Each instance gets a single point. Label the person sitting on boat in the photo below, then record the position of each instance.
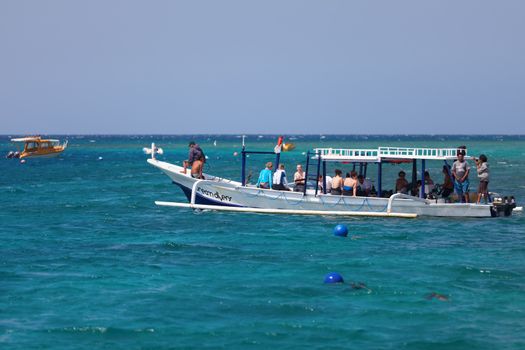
(414, 190)
(350, 184)
(196, 160)
(402, 183)
(265, 176)
(363, 186)
(337, 183)
(429, 183)
(298, 178)
(483, 175)
(280, 182)
(460, 172)
(328, 183)
(448, 185)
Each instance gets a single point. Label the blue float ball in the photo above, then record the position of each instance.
(333, 277)
(341, 231)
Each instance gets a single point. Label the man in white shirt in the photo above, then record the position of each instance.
(279, 180)
(328, 183)
(364, 186)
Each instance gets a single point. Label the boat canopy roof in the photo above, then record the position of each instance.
(386, 154)
(33, 139)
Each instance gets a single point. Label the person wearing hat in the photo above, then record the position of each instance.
(483, 175)
(196, 160)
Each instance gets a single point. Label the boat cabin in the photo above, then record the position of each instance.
(316, 162)
(36, 146)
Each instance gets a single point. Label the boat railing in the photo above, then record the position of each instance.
(348, 153)
(417, 153)
(374, 155)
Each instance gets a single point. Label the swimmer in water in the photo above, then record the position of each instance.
(359, 286)
(434, 295)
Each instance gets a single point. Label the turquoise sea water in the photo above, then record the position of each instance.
(88, 261)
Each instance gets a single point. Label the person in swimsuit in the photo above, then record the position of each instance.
(196, 160)
(337, 183)
(402, 183)
(298, 178)
(350, 184)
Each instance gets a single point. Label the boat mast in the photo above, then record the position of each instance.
(422, 189)
(243, 162)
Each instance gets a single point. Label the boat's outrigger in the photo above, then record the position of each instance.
(223, 194)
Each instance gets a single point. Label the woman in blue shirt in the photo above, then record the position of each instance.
(265, 176)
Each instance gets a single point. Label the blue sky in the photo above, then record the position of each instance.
(338, 67)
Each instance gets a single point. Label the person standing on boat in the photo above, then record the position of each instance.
(337, 183)
(460, 172)
(280, 182)
(483, 175)
(196, 160)
(298, 178)
(265, 176)
(350, 184)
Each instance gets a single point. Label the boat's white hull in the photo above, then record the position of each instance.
(217, 191)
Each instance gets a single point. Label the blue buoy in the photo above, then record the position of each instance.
(341, 231)
(333, 277)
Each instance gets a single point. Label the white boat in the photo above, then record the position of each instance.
(218, 193)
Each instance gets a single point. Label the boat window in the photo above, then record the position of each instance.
(45, 145)
(31, 145)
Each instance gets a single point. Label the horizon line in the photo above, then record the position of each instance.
(251, 134)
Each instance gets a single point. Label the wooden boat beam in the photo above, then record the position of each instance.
(285, 211)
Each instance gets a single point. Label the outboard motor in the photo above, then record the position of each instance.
(503, 206)
(10, 155)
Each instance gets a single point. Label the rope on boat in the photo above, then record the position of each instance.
(260, 193)
(292, 202)
(350, 206)
(331, 205)
(282, 194)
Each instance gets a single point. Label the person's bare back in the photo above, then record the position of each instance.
(337, 182)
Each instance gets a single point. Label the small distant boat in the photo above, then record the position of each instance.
(36, 146)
